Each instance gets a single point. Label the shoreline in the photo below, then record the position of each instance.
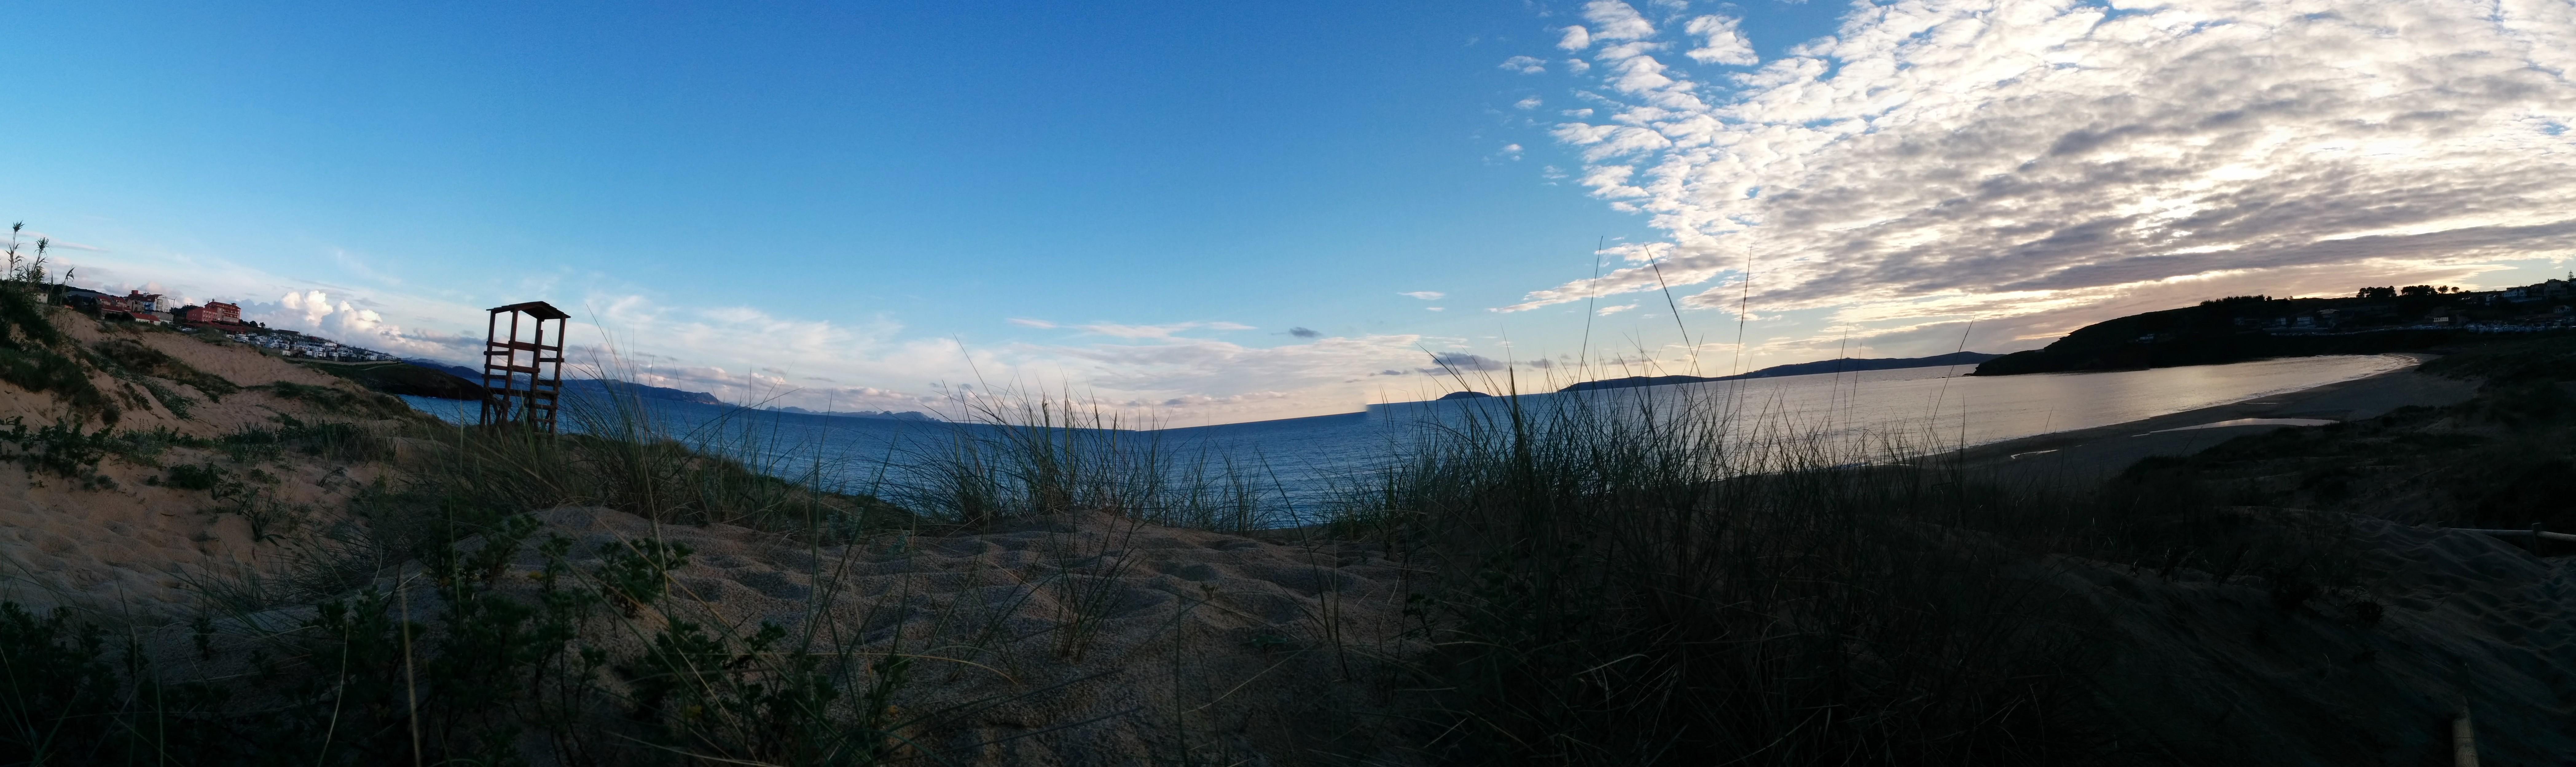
(2093, 454)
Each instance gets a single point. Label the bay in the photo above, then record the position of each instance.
(1298, 461)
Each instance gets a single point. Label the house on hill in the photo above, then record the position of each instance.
(213, 313)
(137, 305)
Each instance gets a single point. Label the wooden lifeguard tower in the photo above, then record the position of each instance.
(523, 379)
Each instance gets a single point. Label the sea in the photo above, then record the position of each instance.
(1301, 462)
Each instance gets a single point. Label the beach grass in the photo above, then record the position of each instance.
(1016, 454)
(1658, 577)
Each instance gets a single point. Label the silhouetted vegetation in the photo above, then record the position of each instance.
(2239, 328)
(1629, 582)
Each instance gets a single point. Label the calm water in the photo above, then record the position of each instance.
(1302, 456)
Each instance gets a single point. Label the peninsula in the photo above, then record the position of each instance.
(2374, 320)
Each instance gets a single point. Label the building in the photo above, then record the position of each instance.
(125, 305)
(214, 312)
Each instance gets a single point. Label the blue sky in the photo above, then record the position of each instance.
(860, 202)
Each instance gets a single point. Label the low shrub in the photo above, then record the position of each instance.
(41, 369)
(134, 359)
(64, 449)
(333, 399)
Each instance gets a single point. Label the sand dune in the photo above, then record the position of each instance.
(1089, 639)
(2219, 673)
(1127, 629)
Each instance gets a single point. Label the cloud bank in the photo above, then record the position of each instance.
(2002, 159)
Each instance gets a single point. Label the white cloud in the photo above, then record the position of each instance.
(1156, 331)
(1132, 331)
(2032, 162)
(314, 311)
(1220, 381)
(1723, 42)
(1528, 65)
(1614, 20)
(1575, 39)
(1426, 295)
(1610, 310)
(1527, 103)
(1030, 323)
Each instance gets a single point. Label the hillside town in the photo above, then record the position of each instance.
(2538, 307)
(213, 317)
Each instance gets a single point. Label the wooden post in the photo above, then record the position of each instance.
(2464, 740)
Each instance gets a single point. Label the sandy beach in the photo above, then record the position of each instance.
(2088, 455)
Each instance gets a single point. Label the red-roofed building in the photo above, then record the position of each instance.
(214, 312)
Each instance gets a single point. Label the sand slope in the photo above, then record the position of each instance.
(2219, 674)
(131, 548)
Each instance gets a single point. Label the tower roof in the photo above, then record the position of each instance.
(540, 309)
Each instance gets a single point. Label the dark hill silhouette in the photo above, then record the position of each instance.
(417, 380)
(908, 415)
(2242, 328)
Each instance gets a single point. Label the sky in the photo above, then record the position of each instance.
(1202, 213)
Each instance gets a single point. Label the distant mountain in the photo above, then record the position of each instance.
(908, 415)
(1464, 395)
(459, 371)
(1845, 365)
(588, 385)
(638, 391)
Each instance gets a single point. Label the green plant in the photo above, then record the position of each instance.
(363, 404)
(333, 440)
(23, 298)
(30, 345)
(752, 699)
(198, 476)
(55, 687)
(63, 449)
(38, 368)
(131, 359)
(638, 572)
(250, 498)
